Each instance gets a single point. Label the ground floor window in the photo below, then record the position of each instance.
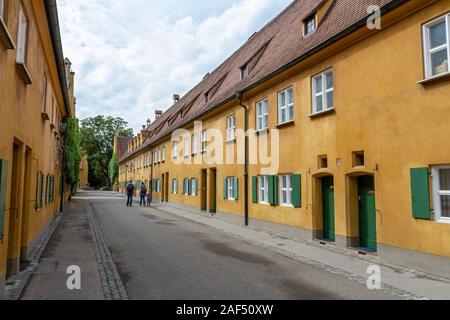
(263, 186)
(194, 187)
(186, 187)
(285, 190)
(230, 185)
(175, 186)
(441, 192)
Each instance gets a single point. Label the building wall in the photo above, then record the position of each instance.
(38, 143)
(380, 108)
(84, 172)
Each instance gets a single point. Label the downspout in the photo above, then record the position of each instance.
(246, 165)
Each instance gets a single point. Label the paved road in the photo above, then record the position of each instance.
(161, 256)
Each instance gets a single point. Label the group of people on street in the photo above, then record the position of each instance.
(144, 195)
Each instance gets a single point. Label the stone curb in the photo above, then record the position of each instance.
(113, 287)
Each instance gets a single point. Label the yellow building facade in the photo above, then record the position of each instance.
(357, 119)
(33, 103)
(84, 173)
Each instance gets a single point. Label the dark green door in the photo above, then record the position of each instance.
(328, 208)
(367, 213)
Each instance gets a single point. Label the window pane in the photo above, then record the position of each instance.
(445, 206)
(319, 103)
(282, 99)
(283, 115)
(444, 178)
(438, 35)
(290, 94)
(318, 82)
(329, 80)
(291, 113)
(266, 107)
(330, 100)
(439, 62)
(266, 122)
(260, 123)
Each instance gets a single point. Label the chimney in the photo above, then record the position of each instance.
(176, 98)
(158, 114)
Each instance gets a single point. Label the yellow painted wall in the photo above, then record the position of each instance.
(380, 109)
(21, 122)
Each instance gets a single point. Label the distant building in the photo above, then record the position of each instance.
(84, 172)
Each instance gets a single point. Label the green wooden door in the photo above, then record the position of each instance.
(328, 208)
(367, 213)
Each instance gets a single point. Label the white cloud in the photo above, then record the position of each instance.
(131, 56)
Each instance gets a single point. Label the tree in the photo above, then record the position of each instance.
(72, 154)
(97, 139)
(113, 168)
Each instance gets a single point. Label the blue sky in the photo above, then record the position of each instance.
(131, 56)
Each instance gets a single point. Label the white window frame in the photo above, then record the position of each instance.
(175, 150)
(230, 188)
(437, 193)
(155, 157)
(324, 93)
(429, 51)
(186, 150)
(245, 71)
(194, 187)
(44, 93)
(231, 128)
(287, 107)
(288, 188)
(194, 144)
(262, 115)
(263, 189)
(174, 186)
(159, 155)
(204, 142)
(21, 37)
(163, 154)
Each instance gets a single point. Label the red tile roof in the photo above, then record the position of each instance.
(285, 44)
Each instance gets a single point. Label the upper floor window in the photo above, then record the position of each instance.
(194, 144)
(441, 192)
(21, 37)
(175, 149)
(150, 156)
(310, 25)
(437, 47)
(231, 128)
(163, 154)
(155, 157)
(245, 70)
(286, 190)
(286, 106)
(186, 147)
(159, 155)
(262, 115)
(204, 141)
(2, 9)
(323, 92)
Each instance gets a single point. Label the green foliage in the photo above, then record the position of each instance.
(113, 168)
(97, 139)
(72, 152)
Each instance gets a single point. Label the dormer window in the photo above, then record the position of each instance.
(245, 70)
(310, 25)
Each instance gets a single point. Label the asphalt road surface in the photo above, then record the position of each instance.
(162, 256)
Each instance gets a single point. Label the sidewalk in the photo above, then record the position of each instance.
(71, 244)
(398, 280)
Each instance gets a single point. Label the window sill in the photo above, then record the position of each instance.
(286, 124)
(264, 203)
(434, 79)
(443, 221)
(322, 113)
(287, 206)
(23, 72)
(5, 36)
(231, 141)
(262, 132)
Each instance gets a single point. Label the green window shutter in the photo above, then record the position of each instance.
(420, 193)
(3, 187)
(255, 189)
(225, 188)
(236, 189)
(184, 187)
(176, 189)
(42, 191)
(190, 187)
(196, 187)
(297, 190)
(273, 190)
(38, 187)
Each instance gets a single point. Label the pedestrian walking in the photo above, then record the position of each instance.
(130, 194)
(149, 198)
(143, 194)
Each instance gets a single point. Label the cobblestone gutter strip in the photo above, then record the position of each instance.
(113, 288)
(407, 295)
(14, 290)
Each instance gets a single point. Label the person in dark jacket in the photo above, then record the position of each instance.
(130, 194)
(143, 194)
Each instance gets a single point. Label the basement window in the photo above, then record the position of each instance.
(358, 159)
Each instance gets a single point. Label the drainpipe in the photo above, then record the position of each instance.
(246, 166)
